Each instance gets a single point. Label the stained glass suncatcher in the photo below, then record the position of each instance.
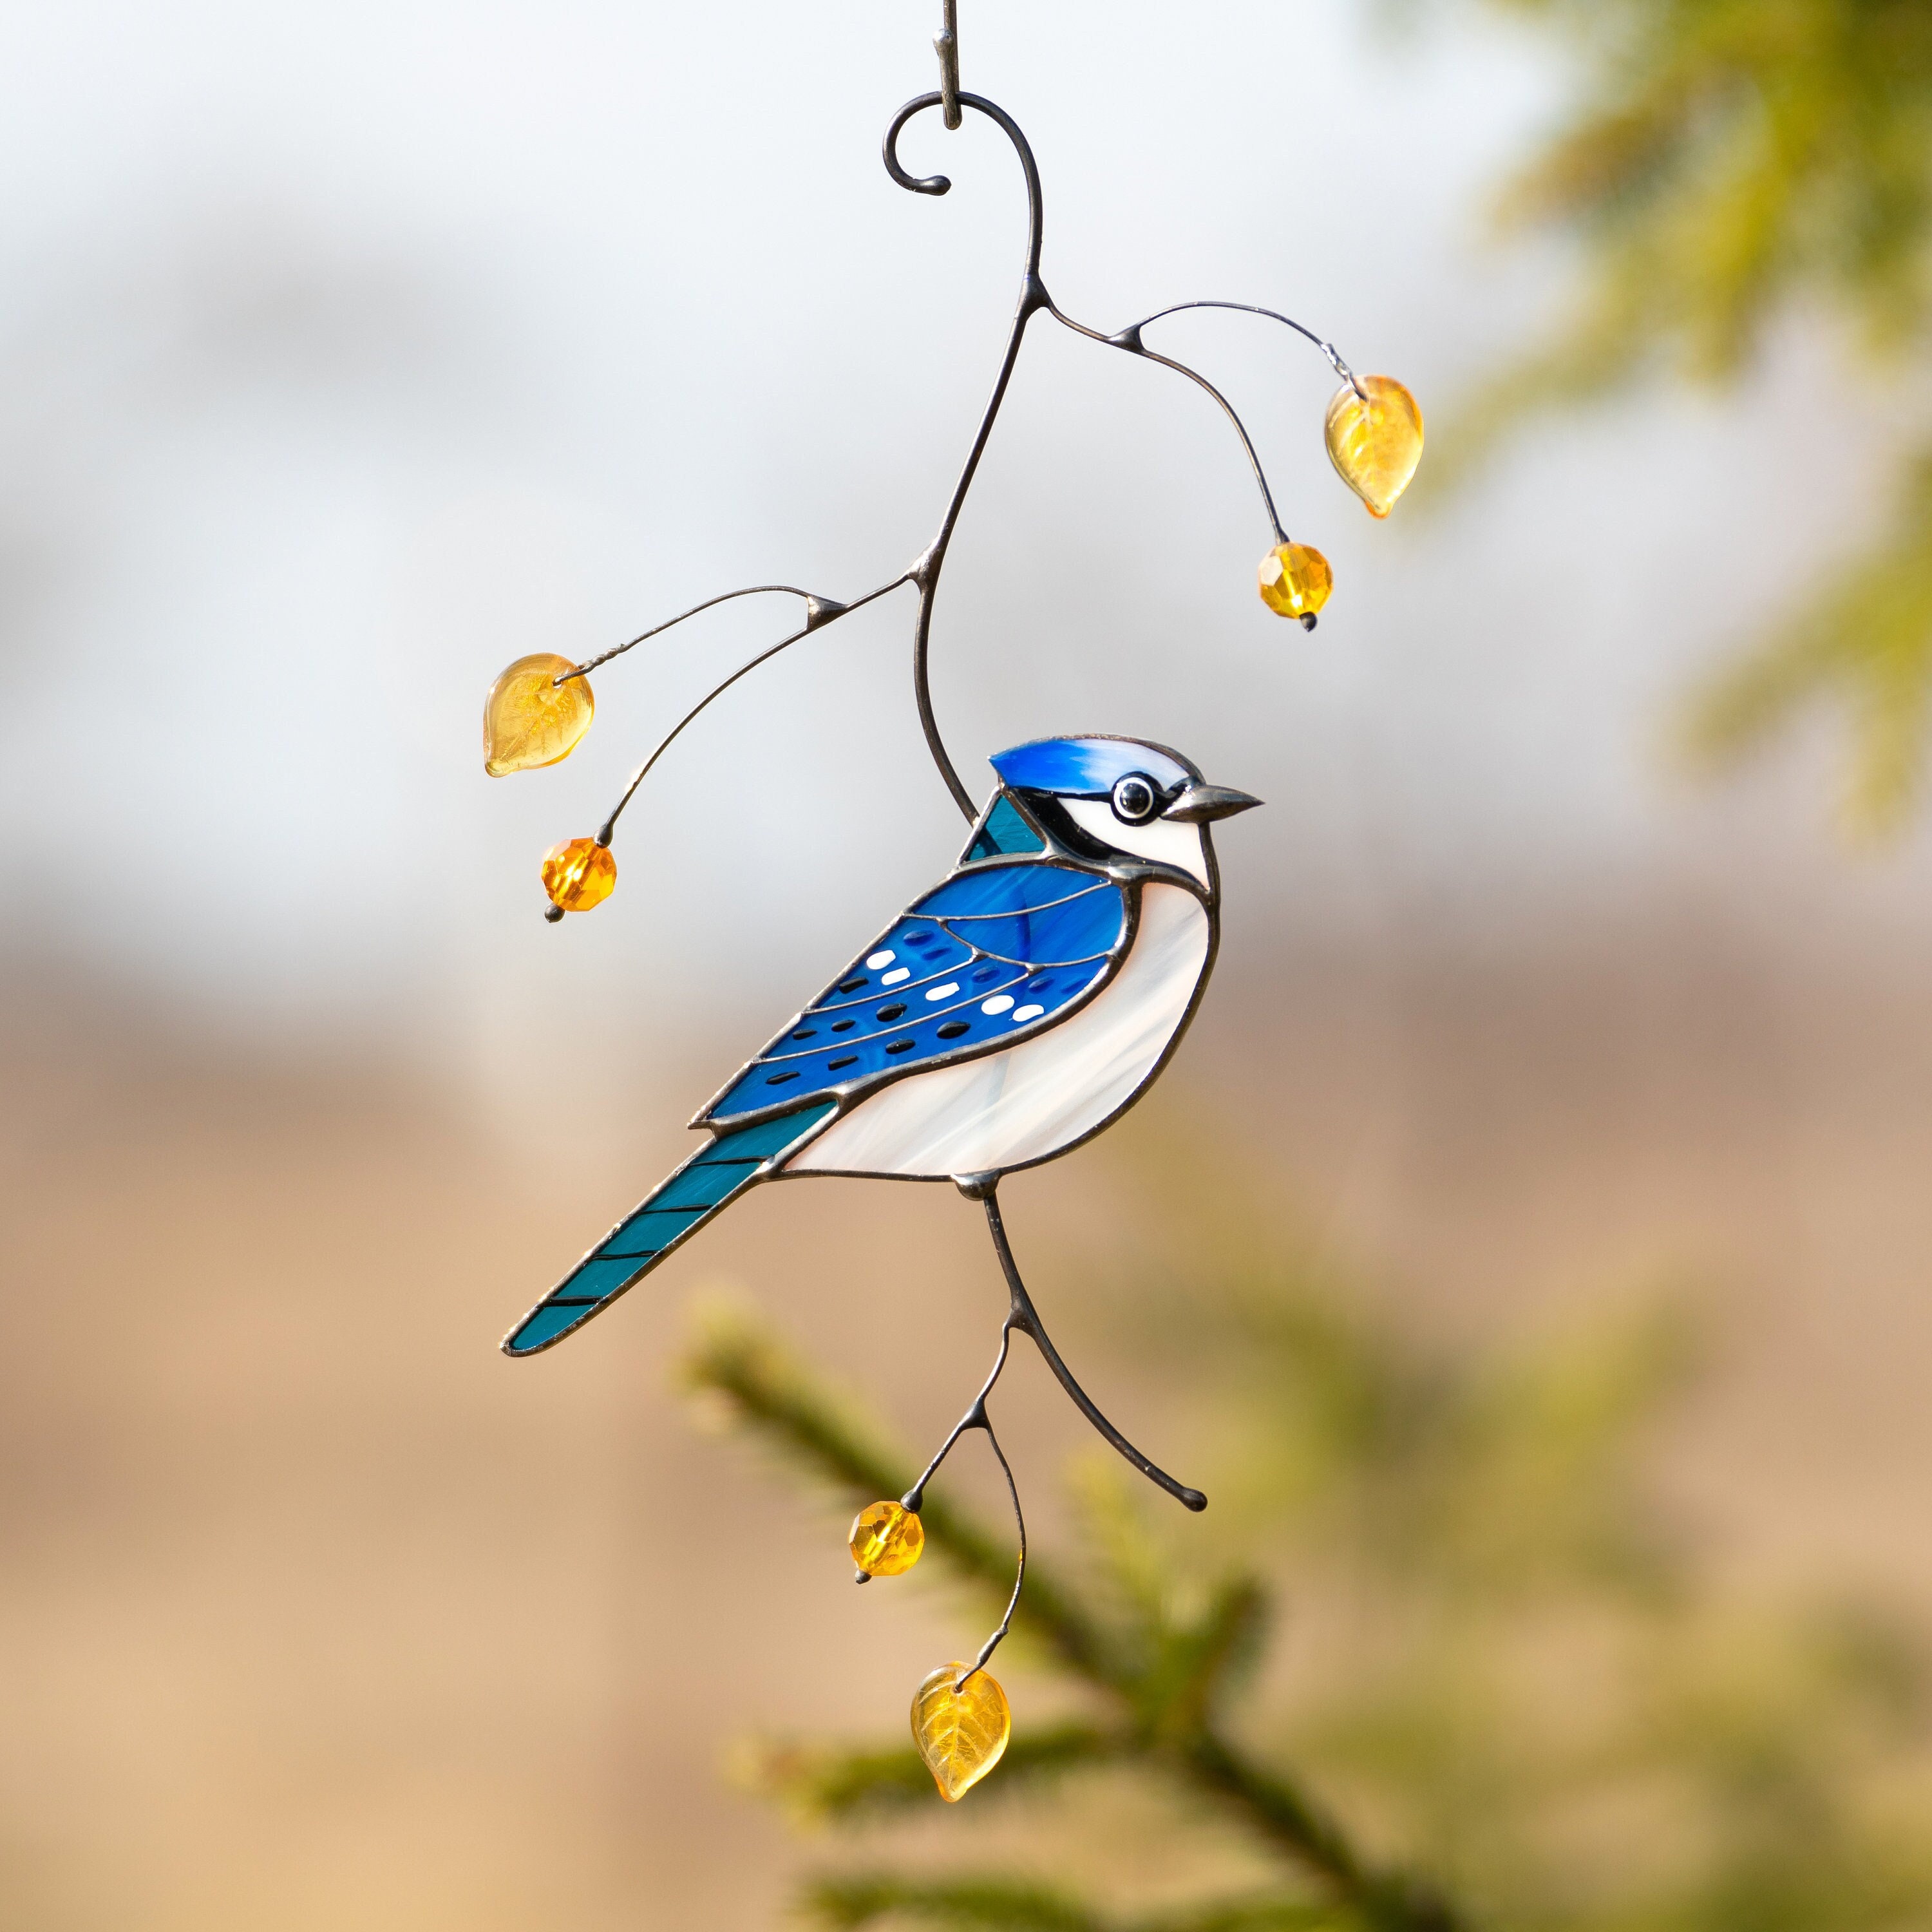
(1010, 1013)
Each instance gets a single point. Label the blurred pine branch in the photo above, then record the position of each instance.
(1163, 1680)
(1866, 641)
(1507, 1674)
(1726, 162)
(995, 1905)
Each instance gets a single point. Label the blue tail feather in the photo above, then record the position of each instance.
(676, 1207)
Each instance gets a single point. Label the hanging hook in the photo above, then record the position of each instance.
(946, 45)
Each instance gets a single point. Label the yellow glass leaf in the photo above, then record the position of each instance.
(579, 874)
(530, 719)
(1375, 444)
(961, 1734)
(886, 1539)
(1296, 581)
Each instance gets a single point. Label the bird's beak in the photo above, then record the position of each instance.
(1198, 803)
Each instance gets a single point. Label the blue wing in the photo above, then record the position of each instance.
(994, 952)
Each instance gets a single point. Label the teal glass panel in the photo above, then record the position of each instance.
(1006, 830)
(545, 1324)
(649, 1229)
(692, 1195)
(603, 1273)
(703, 1184)
(769, 1138)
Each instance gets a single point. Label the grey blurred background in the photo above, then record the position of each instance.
(346, 355)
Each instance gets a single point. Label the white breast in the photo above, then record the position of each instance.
(1033, 1099)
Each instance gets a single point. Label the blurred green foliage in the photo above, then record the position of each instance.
(1725, 163)
(1520, 1701)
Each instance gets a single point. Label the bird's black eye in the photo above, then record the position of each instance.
(1135, 800)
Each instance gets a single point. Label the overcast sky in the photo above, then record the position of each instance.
(348, 353)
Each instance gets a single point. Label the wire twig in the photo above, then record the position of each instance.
(925, 571)
(1023, 1318)
(770, 1396)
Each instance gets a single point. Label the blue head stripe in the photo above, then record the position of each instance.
(1087, 767)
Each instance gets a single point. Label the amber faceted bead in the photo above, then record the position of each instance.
(1295, 581)
(579, 874)
(962, 1734)
(886, 1539)
(530, 719)
(1375, 440)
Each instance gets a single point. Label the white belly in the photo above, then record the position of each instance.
(1034, 1098)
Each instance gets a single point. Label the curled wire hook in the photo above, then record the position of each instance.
(919, 183)
(943, 184)
(1033, 297)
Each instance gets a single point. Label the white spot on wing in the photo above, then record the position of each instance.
(945, 992)
(878, 959)
(1027, 1013)
(998, 1003)
(898, 974)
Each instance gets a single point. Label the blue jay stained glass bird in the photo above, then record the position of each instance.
(1025, 1003)
(1010, 1014)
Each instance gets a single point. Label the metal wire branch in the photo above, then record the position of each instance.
(811, 603)
(1129, 339)
(924, 571)
(1328, 349)
(820, 612)
(1174, 1731)
(1023, 1318)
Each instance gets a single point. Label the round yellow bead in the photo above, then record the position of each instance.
(1375, 440)
(578, 874)
(1295, 581)
(530, 719)
(886, 1539)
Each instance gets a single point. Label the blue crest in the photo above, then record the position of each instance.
(1088, 767)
